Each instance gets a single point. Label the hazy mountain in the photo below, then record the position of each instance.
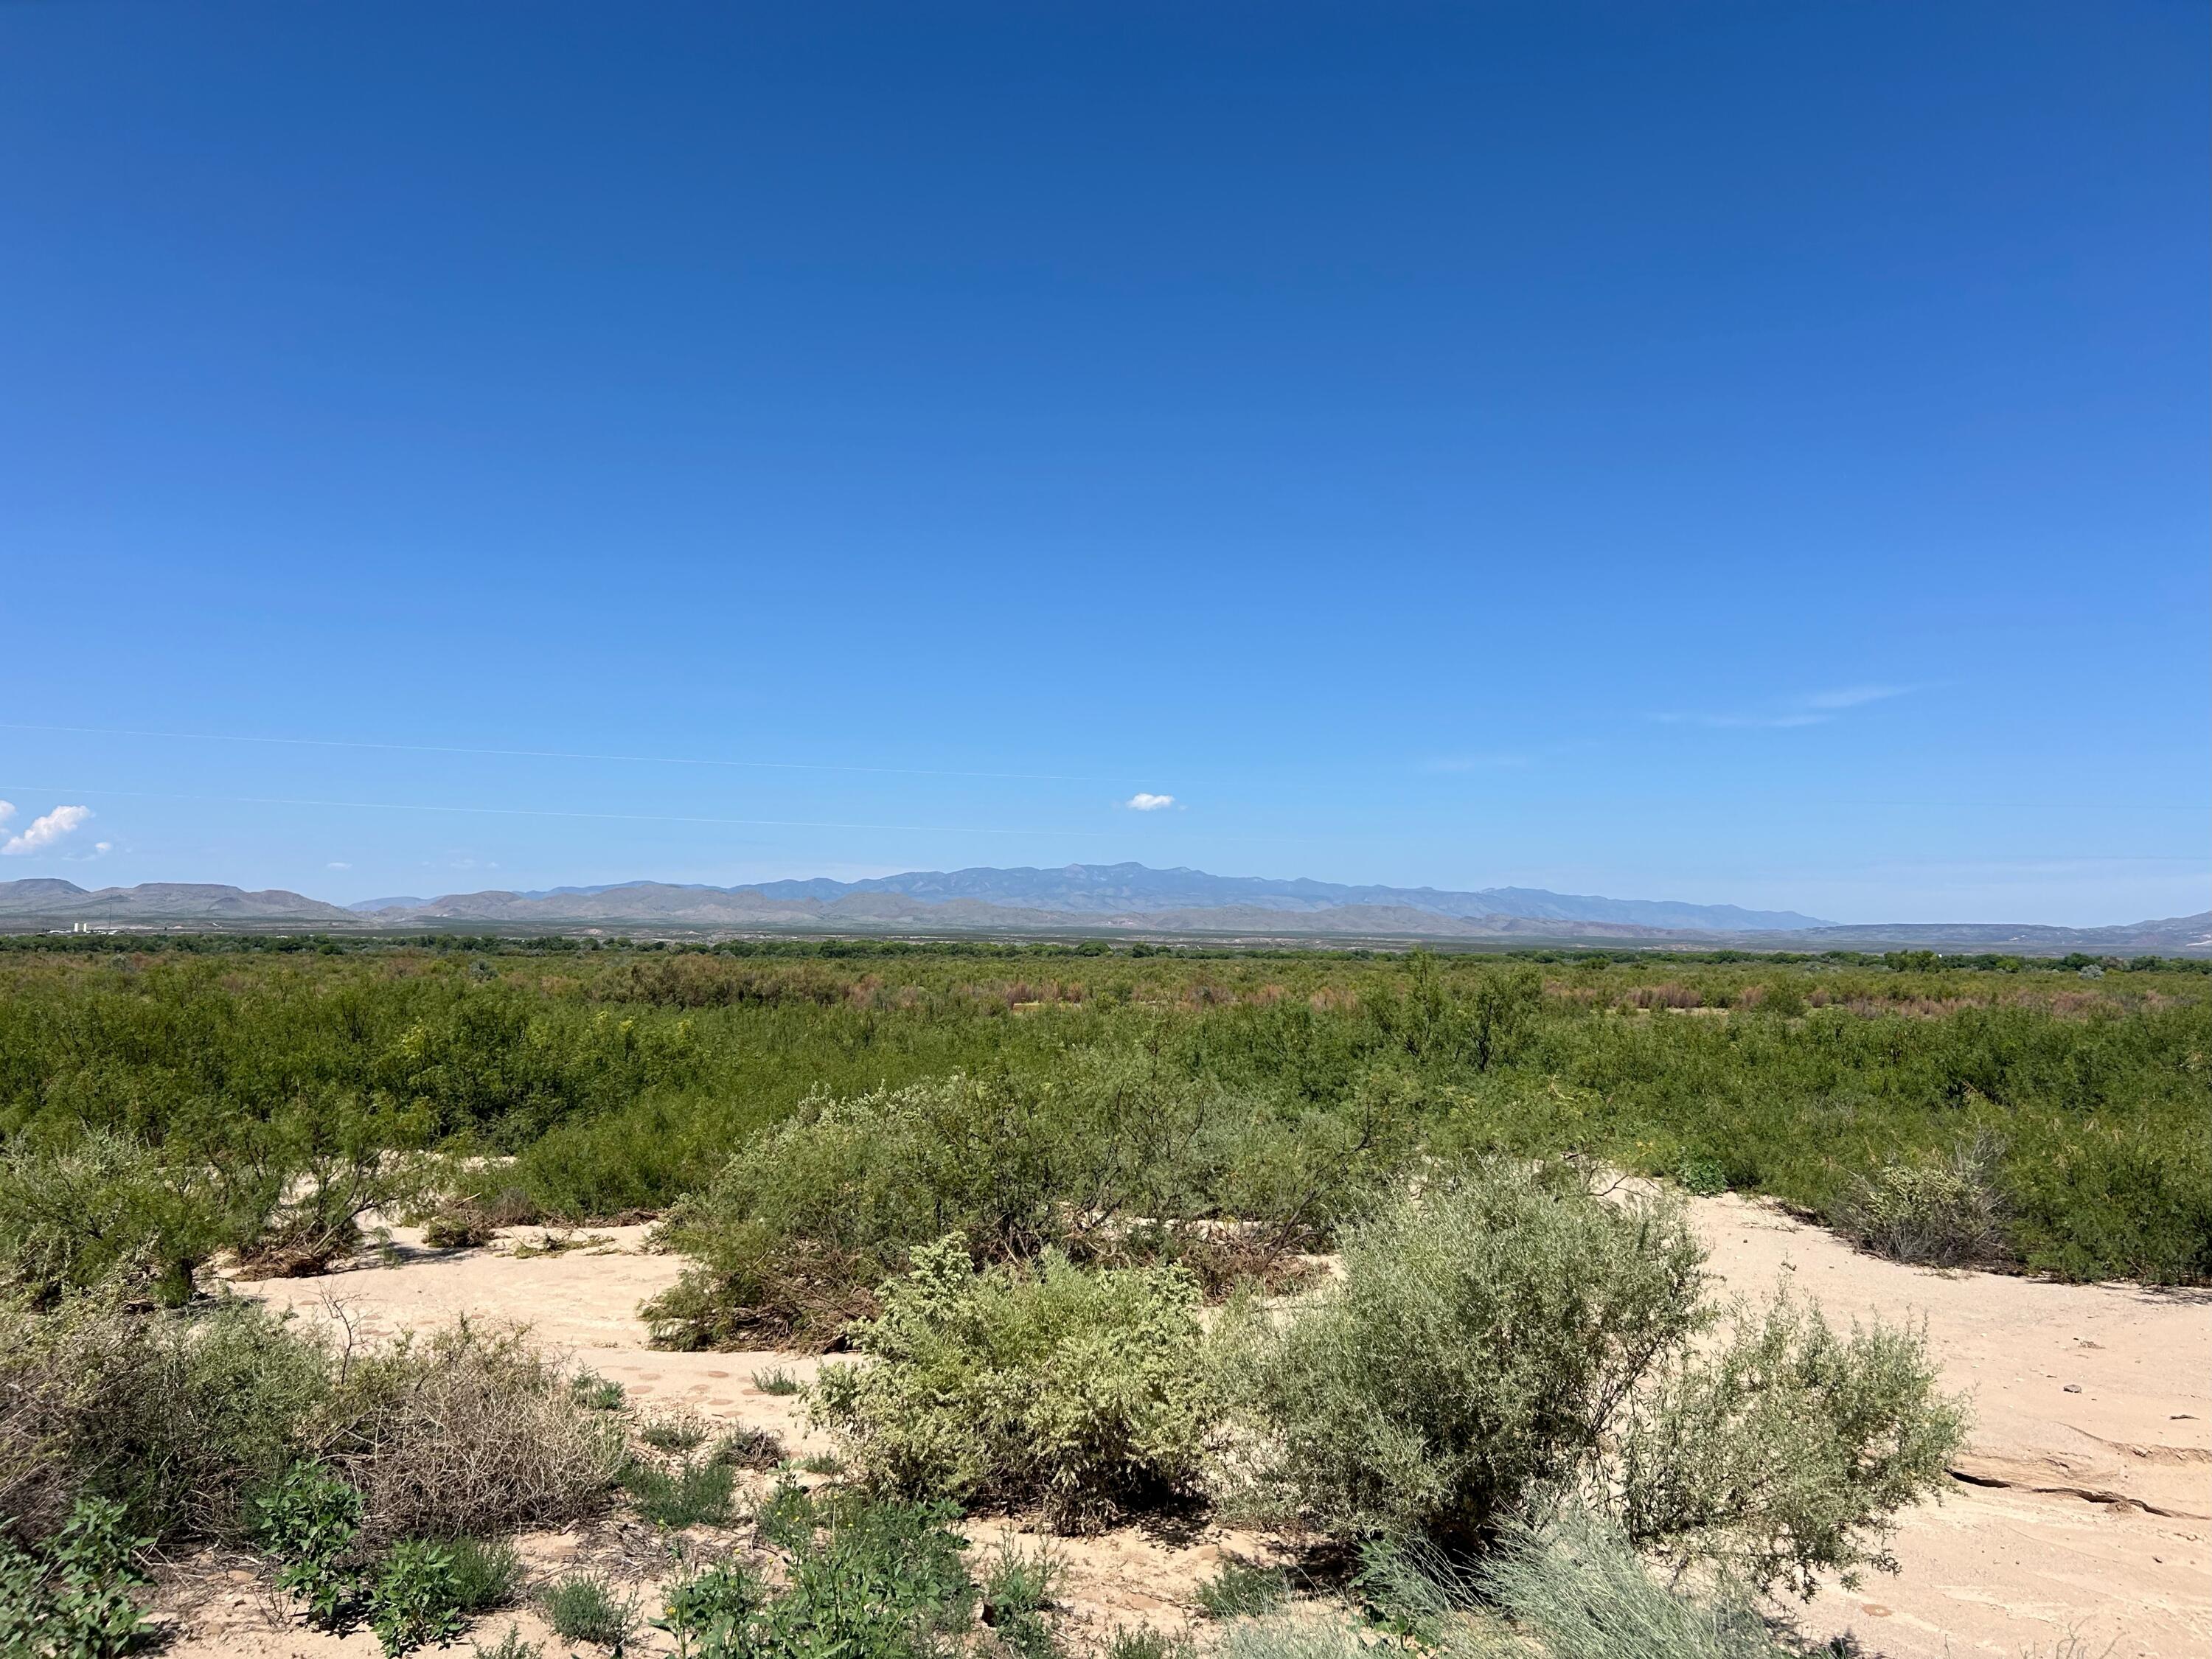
(1120, 889)
(47, 899)
(1123, 897)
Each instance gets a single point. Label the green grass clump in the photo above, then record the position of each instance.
(487, 1573)
(1083, 1392)
(1242, 1589)
(692, 1494)
(587, 1607)
(680, 1433)
(775, 1380)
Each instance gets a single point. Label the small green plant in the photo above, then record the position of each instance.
(775, 1380)
(1701, 1175)
(509, 1646)
(750, 1448)
(596, 1392)
(1242, 1589)
(787, 1517)
(310, 1520)
(72, 1599)
(1143, 1642)
(487, 1573)
(823, 1463)
(1018, 1588)
(416, 1599)
(710, 1612)
(872, 1580)
(586, 1607)
(692, 1494)
(461, 1227)
(673, 1434)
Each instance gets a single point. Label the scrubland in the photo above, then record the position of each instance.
(1380, 1256)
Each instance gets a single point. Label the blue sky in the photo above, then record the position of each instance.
(1740, 453)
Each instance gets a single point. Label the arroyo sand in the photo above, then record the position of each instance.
(2080, 1509)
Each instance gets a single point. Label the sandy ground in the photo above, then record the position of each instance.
(2080, 1511)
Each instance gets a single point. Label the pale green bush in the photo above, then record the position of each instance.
(1946, 1213)
(1499, 1347)
(103, 1209)
(1478, 1346)
(1083, 1392)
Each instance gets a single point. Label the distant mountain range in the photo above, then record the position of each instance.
(1127, 898)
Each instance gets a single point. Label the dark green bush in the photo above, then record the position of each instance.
(586, 1608)
(71, 1597)
(417, 1598)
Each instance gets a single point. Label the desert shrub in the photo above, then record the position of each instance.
(1946, 1213)
(1479, 1343)
(586, 1608)
(711, 1613)
(103, 1210)
(692, 1494)
(175, 1415)
(807, 1218)
(747, 1447)
(1242, 1589)
(775, 1380)
(1031, 1383)
(461, 1226)
(1143, 1642)
(487, 1573)
(1018, 1589)
(467, 1430)
(417, 1598)
(1783, 1451)
(596, 1392)
(310, 1520)
(872, 1580)
(680, 1432)
(1496, 1347)
(71, 1598)
(509, 1646)
(1576, 1590)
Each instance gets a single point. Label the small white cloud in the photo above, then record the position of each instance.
(338, 864)
(103, 846)
(7, 811)
(44, 832)
(1141, 802)
(1852, 696)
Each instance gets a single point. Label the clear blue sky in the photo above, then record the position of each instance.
(1750, 452)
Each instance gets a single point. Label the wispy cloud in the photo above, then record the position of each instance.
(1808, 708)
(1141, 802)
(43, 831)
(338, 864)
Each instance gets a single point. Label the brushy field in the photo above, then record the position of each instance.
(1011, 1178)
(2011, 1114)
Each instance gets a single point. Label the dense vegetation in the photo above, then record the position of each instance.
(158, 1105)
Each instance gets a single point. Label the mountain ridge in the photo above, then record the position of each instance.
(1127, 899)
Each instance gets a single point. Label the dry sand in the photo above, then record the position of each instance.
(2080, 1511)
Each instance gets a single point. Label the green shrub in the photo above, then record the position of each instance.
(1242, 1589)
(1497, 1345)
(176, 1416)
(750, 1448)
(459, 1227)
(690, 1495)
(1475, 1352)
(310, 1520)
(586, 1607)
(1576, 1590)
(873, 1581)
(72, 1597)
(711, 1613)
(682, 1433)
(1083, 1392)
(467, 1430)
(775, 1380)
(1782, 1451)
(103, 1210)
(1949, 1213)
(417, 1598)
(1018, 1589)
(1143, 1642)
(487, 1573)
(596, 1392)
